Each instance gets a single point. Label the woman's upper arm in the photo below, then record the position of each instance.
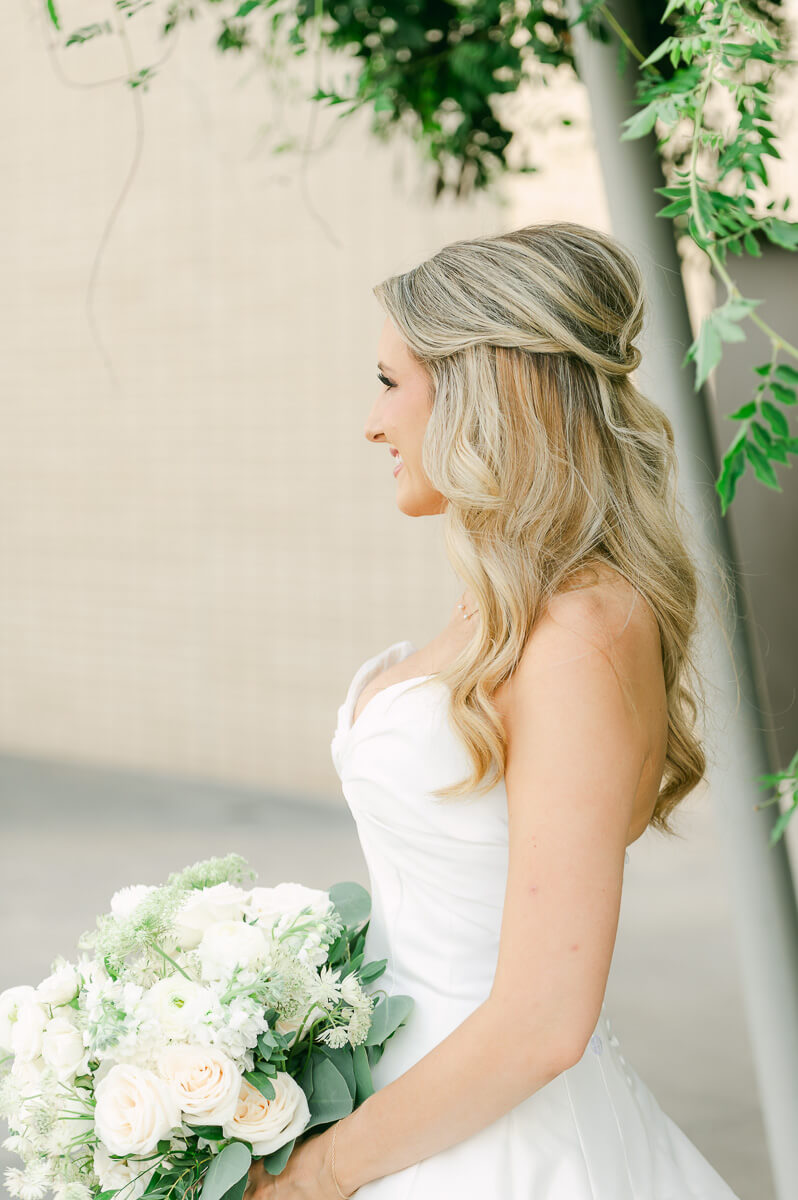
(575, 753)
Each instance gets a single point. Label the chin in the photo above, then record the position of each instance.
(420, 502)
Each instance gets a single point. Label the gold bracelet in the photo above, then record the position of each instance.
(332, 1165)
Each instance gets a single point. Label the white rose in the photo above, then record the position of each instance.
(202, 907)
(10, 1001)
(27, 1074)
(269, 1124)
(134, 1110)
(27, 1030)
(205, 1082)
(127, 899)
(268, 904)
(227, 944)
(60, 987)
(178, 1004)
(63, 1049)
(115, 1174)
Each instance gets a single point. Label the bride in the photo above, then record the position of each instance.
(498, 774)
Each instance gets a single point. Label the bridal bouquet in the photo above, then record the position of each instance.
(208, 1023)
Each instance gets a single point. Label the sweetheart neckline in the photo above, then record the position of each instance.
(355, 721)
(375, 661)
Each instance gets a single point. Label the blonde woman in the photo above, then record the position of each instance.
(498, 774)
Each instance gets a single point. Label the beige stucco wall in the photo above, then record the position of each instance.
(197, 551)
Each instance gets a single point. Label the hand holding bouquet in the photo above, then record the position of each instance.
(209, 1023)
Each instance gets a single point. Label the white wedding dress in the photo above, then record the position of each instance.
(437, 880)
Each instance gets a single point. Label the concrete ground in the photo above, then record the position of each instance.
(72, 835)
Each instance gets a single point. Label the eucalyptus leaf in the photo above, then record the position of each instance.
(274, 1162)
(352, 901)
(341, 1058)
(225, 1170)
(386, 1017)
(261, 1081)
(363, 1079)
(330, 1099)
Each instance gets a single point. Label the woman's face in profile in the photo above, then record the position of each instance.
(398, 419)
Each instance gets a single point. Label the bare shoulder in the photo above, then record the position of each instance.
(588, 637)
(609, 615)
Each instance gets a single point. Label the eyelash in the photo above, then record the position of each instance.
(387, 382)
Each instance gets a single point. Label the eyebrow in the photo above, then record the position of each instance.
(383, 367)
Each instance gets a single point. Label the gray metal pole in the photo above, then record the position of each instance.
(762, 891)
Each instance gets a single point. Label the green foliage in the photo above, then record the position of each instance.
(225, 1170)
(711, 48)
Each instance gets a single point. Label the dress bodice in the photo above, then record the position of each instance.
(437, 869)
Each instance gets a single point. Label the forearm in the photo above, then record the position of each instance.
(481, 1070)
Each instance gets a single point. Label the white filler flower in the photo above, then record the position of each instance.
(204, 1081)
(135, 1109)
(269, 1124)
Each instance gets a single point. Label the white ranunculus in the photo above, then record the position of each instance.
(205, 1082)
(227, 944)
(27, 1030)
(115, 1174)
(268, 904)
(204, 906)
(60, 987)
(127, 899)
(63, 1049)
(178, 1004)
(269, 1124)
(10, 1001)
(135, 1109)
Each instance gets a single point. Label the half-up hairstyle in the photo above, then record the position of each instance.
(550, 460)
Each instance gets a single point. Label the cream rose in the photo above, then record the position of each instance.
(135, 1109)
(227, 944)
(178, 1004)
(60, 987)
(63, 1049)
(115, 1174)
(10, 1002)
(204, 1082)
(27, 1030)
(269, 1124)
(202, 907)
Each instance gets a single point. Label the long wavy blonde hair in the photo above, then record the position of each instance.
(550, 461)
